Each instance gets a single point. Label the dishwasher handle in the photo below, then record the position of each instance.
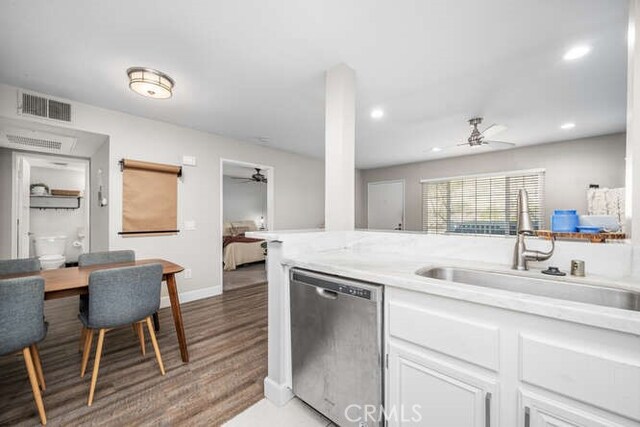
(326, 293)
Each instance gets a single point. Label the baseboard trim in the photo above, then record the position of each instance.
(193, 295)
(278, 394)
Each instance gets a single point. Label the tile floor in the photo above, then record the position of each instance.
(294, 414)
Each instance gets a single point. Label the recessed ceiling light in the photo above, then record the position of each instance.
(149, 82)
(567, 126)
(576, 52)
(377, 113)
(436, 149)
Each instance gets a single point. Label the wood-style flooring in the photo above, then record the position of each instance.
(227, 337)
(245, 275)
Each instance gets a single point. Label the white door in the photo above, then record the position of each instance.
(423, 392)
(385, 206)
(22, 206)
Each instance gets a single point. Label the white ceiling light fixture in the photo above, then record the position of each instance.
(576, 52)
(377, 113)
(567, 126)
(436, 149)
(150, 83)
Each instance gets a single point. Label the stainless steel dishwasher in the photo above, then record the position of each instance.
(336, 347)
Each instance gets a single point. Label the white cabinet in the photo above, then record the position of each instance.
(471, 365)
(541, 411)
(425, 391)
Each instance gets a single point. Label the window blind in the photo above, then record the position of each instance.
(481, 204)
(149, 198)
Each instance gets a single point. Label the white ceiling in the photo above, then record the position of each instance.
(254, 68)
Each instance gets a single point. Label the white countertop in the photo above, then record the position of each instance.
(398, 270)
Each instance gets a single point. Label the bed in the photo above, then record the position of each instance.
(238, 249)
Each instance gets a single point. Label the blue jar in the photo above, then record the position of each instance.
(565, 221)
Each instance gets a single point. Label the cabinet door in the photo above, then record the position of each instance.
(427, 392)
(540, 411)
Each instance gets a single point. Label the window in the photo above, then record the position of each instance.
(481, 204)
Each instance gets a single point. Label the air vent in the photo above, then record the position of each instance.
(39, 106)
(25, 139)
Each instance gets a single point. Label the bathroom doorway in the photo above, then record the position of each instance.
(51, 207)
(246, 204)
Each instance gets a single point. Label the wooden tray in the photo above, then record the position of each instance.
(58, 192)
(593, 237)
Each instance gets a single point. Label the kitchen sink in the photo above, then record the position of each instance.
(570, 291)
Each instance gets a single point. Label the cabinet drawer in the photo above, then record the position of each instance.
(584, 374)
(459, 337)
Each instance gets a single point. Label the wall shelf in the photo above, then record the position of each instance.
(55, 202)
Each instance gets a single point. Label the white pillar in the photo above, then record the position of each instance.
(632, 207)
(340, 133)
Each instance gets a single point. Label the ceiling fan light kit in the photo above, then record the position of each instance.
(479, 139)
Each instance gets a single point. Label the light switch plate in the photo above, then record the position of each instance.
(190, 225)
(189, 160)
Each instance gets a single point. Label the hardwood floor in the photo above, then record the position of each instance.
(227, 337)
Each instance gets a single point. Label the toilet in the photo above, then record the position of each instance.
(50, 251)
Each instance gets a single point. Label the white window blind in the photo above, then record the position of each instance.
(481, 204)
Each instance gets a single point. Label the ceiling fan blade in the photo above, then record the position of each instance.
(500, 144)
(493, 130)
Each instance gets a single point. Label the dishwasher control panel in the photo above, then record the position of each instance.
(336, 285)
(351, 290)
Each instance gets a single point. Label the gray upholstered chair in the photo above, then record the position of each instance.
(109, 257)
(22, 326)
(17, 266)
(118, 297)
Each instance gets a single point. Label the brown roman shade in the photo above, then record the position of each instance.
(149, 197)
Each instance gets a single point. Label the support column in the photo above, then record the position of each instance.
(340, 131)
(632, 182)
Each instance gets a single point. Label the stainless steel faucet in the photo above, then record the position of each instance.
(522, 255)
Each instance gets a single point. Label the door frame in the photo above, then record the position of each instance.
(16, 155)
(404, 203)
(269, 172)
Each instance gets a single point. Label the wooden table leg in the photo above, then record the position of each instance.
(177, 316)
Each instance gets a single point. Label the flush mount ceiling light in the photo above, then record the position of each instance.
(149, 82)
(377, 113)
(567, 126)
(576, 52)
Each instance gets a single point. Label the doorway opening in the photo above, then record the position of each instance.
(52, 202)
(246, 205)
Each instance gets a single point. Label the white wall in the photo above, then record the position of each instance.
(298, 182)
(570, 167)
(244, 200)
(47, 222)
(99, 214)
(6, 169)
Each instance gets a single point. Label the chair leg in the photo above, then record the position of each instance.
(156, 349)
(28, 361)
(88, 338)
(83, 333)
(140, 331)
(156, 321)
(96, 366)
(35, 355)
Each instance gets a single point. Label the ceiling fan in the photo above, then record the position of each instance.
(258, 177)
(478, 139)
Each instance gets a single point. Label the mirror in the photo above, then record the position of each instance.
(533, 97)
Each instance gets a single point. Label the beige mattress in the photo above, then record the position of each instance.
(236, 254)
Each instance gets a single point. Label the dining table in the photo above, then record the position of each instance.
(72, 281)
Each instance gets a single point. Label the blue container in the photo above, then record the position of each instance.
(566, 221)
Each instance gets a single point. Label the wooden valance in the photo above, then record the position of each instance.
(149, 197)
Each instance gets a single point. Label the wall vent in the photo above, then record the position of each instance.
(39, 106)
(25, 139)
